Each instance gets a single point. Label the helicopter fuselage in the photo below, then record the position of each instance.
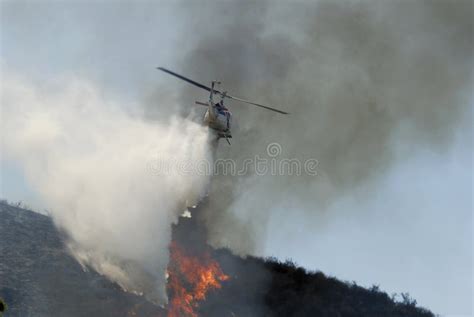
(219, 119)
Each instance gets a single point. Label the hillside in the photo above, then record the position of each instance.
(39, 278)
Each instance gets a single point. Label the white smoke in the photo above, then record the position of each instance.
(90, 161)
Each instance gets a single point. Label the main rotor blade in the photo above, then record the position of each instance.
(195, 83)
(256, 104)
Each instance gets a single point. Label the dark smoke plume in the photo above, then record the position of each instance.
(365, 82)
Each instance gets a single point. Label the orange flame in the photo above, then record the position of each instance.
(189, 280)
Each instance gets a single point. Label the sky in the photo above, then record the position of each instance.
(117, 45)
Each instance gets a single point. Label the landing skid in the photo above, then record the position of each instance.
(225, 136)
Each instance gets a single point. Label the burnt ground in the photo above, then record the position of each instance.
(39, 278)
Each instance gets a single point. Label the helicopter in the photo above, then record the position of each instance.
(217, 116)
